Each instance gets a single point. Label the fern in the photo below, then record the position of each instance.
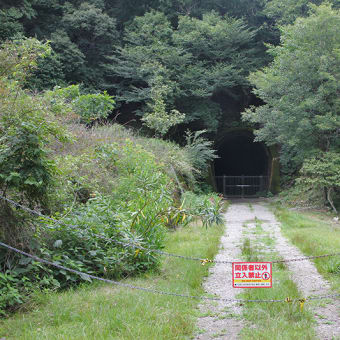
(200, 151)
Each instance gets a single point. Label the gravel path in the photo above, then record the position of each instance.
(305, 275)
(221, 321)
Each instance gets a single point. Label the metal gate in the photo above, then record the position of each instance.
(242, 186)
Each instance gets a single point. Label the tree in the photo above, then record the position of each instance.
(286, 12)
(12, 15)
(124, 11)
(157, 117)
(301, 89)
(200, 58)
(92, 35)
(84, 35)
(48, 73)
(222, 55)
(73, 61)
(27, 123)
(148, 60)
(323, 171)
(221, 48)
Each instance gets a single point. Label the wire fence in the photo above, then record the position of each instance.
(156, 291)
(148, 250)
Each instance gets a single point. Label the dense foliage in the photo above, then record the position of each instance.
(27, 123)
(301, 91)
(108, 191)
(185, 60)
(190, 64)
(198, 52)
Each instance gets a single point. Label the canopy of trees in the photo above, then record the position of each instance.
(187, 63)
(198, 51)
(301, 91)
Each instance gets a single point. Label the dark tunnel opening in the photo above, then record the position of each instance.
(240, 156)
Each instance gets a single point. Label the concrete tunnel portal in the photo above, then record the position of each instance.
(244, 167)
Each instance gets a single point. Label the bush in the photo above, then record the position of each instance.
(200, 151)
(103, 184)
(136, 211)
(208, 207)
(91, 107)
(22, 278)
(323, 172)
(82, 249)
(27, 124)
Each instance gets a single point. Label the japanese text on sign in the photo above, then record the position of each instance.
(252, 274)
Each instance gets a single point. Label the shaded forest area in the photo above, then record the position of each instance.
(174, 65)
(193, 55)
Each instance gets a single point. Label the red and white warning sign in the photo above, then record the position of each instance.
(252, 274)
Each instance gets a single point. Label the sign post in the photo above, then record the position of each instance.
(252, 274)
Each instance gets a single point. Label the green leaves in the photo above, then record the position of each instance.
(24, 164)
(27, 123)
(89, 107)
(158, 118)
(19, 58)
(184, 67)
(288, 11)
(199, 151)
(87, 35)
(94, 106)
(300, 89)
(208, 207)
(58, 243)
(322, 171)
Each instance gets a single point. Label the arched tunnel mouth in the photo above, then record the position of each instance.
(242, 168)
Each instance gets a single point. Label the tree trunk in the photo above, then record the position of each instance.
(329, 199)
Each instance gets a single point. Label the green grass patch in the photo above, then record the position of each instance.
(314, 237)
(99, 311)
(273, 320)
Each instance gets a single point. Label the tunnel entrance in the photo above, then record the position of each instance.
(242, 168)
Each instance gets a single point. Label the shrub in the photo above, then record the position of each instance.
(200, 151)
(22, 278)
(27, 123)
(134, 212)
(208, 207)
(103, 184)
(323, 172)
(91, 107)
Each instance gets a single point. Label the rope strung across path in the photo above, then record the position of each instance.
(136, 246)
(155, 291)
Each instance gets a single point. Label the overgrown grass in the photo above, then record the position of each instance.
(314, 237)
(174, 157)
(276, 320)
(99, 311)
